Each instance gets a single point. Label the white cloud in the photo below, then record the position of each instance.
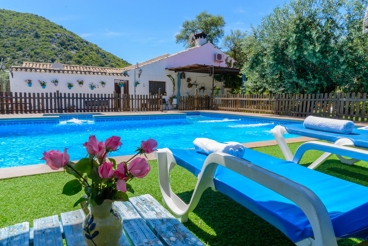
(85, 35)
(239, 10)
(112, 33)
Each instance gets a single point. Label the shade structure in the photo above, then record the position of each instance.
(198, 68)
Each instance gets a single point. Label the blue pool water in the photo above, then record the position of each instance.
(22, 142)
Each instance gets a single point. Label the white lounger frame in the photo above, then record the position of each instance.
(279, 131)
(307, 200)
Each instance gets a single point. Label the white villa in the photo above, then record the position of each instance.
(177, 74)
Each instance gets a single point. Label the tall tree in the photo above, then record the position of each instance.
(233, 45)
(309, 46)
(212, 25)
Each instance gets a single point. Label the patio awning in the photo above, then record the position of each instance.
(197, 68)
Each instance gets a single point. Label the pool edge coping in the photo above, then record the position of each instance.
(22, 171)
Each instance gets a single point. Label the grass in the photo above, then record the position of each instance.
(217, 220)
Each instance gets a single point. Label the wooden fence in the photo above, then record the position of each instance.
(349, 106)
(333, 105)
(25, 103)
(195, 103)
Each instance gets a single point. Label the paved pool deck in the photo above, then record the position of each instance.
(43, 168)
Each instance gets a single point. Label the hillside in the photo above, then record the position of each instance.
(28, 37)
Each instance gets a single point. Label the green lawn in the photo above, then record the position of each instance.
(217, 220)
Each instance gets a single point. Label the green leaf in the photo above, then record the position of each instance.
(80, 200)
(122, 196)
(69, 169)
(129, 188)
(83, 166)
(113, 161)
(72, 187)
(94, 176)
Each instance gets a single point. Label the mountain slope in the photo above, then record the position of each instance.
(28, 37)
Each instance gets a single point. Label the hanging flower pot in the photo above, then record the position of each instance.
(29, 82)
(103, 83)
(92, 86)
(42, 83)
(70, 86)
(55, 82)
(80, 83)
(121, 84)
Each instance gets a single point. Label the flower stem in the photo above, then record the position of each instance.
(79, 174)
(131, 158)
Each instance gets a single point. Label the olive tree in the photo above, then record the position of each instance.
(309, 46)
(212, 25)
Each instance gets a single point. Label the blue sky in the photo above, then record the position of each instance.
(139, 30)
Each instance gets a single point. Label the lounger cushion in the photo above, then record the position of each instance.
(329, 125)
(359, 137)
(346, 202)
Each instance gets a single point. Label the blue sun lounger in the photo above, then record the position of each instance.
(309, 207)
(358, 138)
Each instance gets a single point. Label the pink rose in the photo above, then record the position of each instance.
(91, 145)
(101, 150)
(139, 167)
(113, 143)
(105, 170)
(149, 145)
(120, 171)
(55, 159)
(121, 185)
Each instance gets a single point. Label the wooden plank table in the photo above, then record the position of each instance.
(145, 222)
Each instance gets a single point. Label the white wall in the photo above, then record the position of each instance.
(157, 71)
(18, 84)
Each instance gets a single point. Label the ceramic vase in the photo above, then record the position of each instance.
(43, 86)
(103, 225)
(30, 84)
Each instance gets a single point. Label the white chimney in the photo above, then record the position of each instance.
(200, 39)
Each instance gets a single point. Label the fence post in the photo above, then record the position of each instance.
(57, 101)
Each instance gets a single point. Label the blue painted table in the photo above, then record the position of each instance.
(145, 222)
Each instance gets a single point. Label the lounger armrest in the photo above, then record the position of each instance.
(278, 132)
(330, 148)
(302, 196)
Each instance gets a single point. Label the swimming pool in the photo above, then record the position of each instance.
(23, 141)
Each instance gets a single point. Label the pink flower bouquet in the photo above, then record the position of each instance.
(101, 177)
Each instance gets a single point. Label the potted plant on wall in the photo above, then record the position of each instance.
(136, 83)
(70, 85)
(42, 83)
(55, 82)
(92, 86)
(103, 83)
(29, 82)
(120, 84)
(80, 82)
(217, 90)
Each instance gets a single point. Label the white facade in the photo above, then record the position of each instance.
(152, 70)
(156, 71)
